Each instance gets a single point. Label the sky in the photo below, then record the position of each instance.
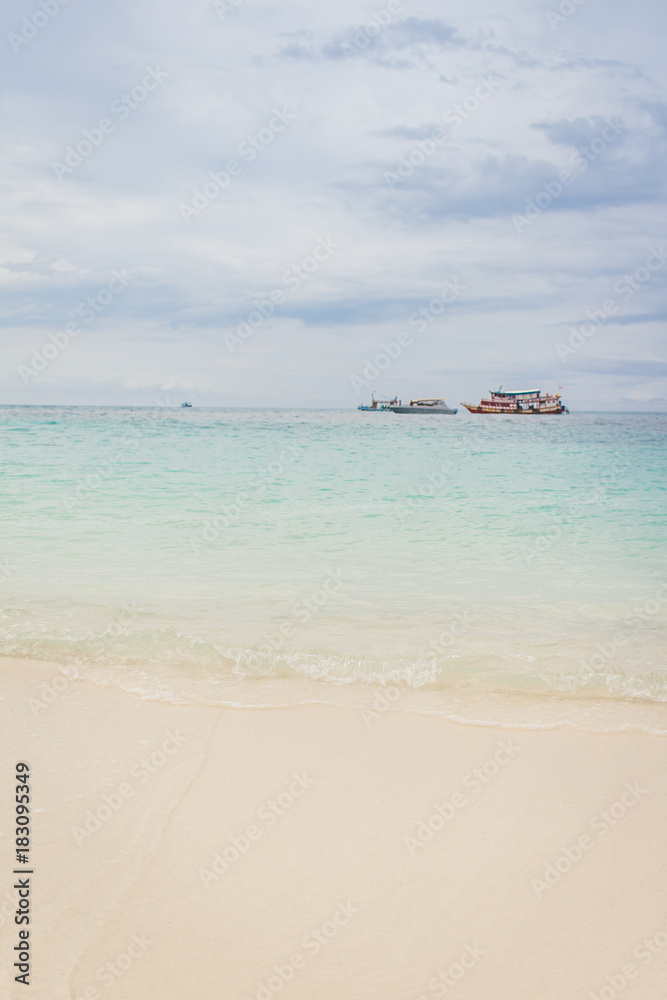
(243, 203)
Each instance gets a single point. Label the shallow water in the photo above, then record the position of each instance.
(163, 548)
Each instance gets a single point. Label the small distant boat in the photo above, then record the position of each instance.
(424, 406)
(526, 401)
(379, 404)
(186, 404)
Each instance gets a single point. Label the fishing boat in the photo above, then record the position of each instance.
(185, 404)
(424, 406)
(379, 404)
(525, 401)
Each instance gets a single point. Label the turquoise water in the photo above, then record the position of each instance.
(494, 553)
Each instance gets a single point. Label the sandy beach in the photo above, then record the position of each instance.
(333, 412)
(320, 852)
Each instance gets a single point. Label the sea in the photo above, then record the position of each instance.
(463, 564)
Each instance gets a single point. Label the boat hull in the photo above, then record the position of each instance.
(545, 411)
(428, 410)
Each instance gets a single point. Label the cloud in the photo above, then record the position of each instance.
(622, 368)
(381, 39)
(407, 132)
(366, 88)
(610, 166)
(578, 131)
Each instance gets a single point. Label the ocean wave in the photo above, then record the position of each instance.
(373, 700)
(168, 655)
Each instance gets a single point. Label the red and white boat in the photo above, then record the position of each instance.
(526, 401)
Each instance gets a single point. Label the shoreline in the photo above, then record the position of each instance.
(467, 705)
(204, 850)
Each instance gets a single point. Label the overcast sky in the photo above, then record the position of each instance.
(500, 167)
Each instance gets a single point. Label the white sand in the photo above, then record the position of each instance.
(323, 898)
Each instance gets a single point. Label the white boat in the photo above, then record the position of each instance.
(424, 406)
